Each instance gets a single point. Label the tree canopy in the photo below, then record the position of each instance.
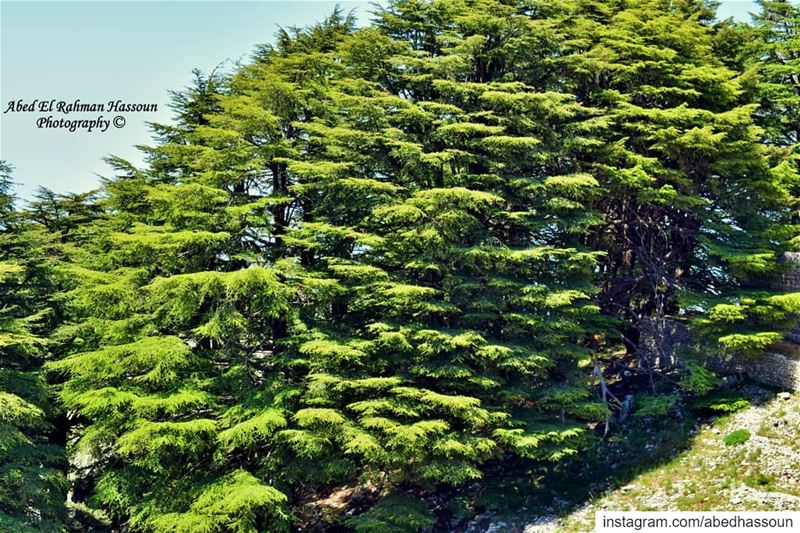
(391, 260)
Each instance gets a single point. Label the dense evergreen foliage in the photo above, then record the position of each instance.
(372, 266)
(32, 459)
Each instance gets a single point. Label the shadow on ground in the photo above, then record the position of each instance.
(513, 494)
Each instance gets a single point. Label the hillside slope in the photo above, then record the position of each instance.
(760, 474)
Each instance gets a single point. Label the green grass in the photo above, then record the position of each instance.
(761, 481)
(691, 463)
(702, 476)
(734, 438)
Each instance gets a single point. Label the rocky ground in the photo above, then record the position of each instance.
(760, 474)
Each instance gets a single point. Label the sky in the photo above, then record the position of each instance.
(99, 51)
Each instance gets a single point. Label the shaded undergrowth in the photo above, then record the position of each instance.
(634, 447)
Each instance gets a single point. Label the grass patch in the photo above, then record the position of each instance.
(734, 438)
(761, 481)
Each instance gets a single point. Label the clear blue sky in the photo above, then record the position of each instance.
(133, 51)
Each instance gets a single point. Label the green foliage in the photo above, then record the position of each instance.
(749, 343)
(396, 512)
(32, 466)
(736, 437)
(648, 405)
(389, 257)
(721, 403)
(761, 481)
(698, 379)
(236, 502)
(774, 53)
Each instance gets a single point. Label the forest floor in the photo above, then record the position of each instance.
(664, 469)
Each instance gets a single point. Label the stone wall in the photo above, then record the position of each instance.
(779, 367)
(662, 342)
